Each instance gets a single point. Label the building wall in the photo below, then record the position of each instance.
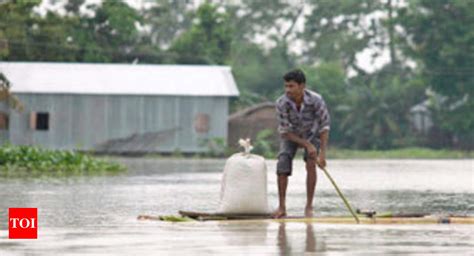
(119, 123)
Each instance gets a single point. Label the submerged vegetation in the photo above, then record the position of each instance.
(34, 161)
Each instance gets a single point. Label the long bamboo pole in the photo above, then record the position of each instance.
(340, 194)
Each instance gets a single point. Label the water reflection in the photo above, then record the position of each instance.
(249, 234)
(282, 241)
(287, 246)
(310, 239)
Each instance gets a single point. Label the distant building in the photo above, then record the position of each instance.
(248, 122)
(420, 117)
(117, 108)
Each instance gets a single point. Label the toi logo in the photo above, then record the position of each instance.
(23, 223)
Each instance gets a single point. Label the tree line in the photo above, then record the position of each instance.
(428, 47)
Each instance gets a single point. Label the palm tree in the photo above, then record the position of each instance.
(378, 113)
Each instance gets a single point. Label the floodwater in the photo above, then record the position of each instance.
(97, 215)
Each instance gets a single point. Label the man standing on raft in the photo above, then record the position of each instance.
(303, 122)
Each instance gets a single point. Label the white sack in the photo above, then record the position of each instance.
(244, 185)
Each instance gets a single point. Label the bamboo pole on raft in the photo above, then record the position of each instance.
(340, 194)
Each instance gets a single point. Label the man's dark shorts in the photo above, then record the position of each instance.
(287, 153)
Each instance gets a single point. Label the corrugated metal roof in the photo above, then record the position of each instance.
(87, 78)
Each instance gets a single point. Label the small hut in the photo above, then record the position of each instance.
(247, 123)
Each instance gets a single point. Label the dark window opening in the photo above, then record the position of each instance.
(3, 121)
(42, 121)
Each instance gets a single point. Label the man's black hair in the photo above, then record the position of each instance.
(296, 75)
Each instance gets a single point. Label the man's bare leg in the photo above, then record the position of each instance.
(311, 178)
(282, 185)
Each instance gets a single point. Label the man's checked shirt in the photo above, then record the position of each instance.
(312, 119)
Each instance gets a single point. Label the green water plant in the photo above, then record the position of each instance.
(174, 218)
(32, 160)
(263, 145)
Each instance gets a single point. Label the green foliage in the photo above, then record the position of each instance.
(246, 98)
(329, 80)
(167, 19)
(27, 160)
(115, 23)
(110, 35)
(16, 21)
(440, 36)
(4, 51)
(6, 95)
(4, 82)
(216, 147)
(177, 153)
(337, 31)
(258, 73)
(263, 144)
(378, 113)
(50, 41)
(208, 41)
(258, 69)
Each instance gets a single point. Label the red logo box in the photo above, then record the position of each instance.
(23, 223)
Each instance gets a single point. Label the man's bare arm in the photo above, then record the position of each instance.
(295, 138)
(323, 137)
(310, 148)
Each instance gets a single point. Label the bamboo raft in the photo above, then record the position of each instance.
(364, 219)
